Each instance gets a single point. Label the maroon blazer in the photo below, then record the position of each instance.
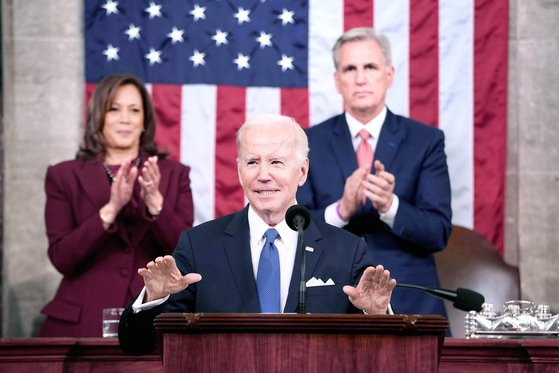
(99, 266)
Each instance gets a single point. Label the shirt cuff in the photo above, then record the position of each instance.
(332, 217)
(139, 305)
(389, 216)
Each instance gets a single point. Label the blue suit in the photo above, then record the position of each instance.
(220, 251)
(414, 154)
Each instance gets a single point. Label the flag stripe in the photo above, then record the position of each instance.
(392, 18)
(456, 23)
(230, 116)
(358, 13)
(198, 118)
(295, 103)
(490, 114)
(423, 61)
(325, 26)
(167, 101)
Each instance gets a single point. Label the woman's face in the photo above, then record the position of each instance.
(124, 121)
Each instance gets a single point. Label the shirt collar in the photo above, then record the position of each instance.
(373, 126)
(258, 227)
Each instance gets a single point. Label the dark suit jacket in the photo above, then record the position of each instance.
(414, 153)
(220, 251)
(100, 267)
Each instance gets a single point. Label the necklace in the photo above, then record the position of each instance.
(109, 172)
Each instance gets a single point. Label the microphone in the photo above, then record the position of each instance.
(298, 218)
(463, 299)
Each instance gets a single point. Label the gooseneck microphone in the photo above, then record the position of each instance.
(298, 218)
(463, 299)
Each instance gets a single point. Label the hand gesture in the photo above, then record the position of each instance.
(121, 192)
(353, 192)
(149, 183)
(373, 291)
(162, 277)
(379, 188)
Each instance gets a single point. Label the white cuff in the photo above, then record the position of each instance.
(139, 304)
(389, 216)
(331, 216)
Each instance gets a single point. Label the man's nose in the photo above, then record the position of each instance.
(263, 171)
(360, 77)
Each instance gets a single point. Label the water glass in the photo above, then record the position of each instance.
(111, 317)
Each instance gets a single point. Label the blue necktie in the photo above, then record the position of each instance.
(268, 276)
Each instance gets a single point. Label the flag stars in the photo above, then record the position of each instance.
(153, 56)
(286, 17)
(241, 61)
(242, 15)
(176, 35)
(198, 58)
(111, 52)
(133, 32)
(198, 12)
(264, 39)
(286, 62)
(110, 7)
(154, 10)
(220, 37)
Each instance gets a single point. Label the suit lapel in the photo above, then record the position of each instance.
(390, 137)
(312, 236)
(237, 251)
(342, 147)
(94, 181)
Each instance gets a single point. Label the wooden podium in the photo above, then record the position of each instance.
(199, 342)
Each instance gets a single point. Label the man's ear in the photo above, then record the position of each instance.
(304, 168)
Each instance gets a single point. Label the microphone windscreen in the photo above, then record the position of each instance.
(297, 213)
(468, 300)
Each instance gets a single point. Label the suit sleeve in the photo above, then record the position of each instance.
(175, 217)
(427, 221)
(70, 243)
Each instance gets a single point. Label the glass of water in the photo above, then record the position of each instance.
(111, 317)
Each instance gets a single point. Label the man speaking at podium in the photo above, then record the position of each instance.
(246, 261)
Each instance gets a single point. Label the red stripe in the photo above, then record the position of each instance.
(167, 101)
(358, 13)
(490, 114)
(424, 61)
(229, 196)
(89, 88)
(295, 103)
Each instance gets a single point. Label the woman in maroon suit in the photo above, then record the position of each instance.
(114, 208)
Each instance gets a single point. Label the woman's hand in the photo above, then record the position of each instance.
(149, 183)
(121, 192)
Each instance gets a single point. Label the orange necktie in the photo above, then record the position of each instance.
(364, 152)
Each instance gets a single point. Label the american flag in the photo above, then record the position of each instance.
(211, 64)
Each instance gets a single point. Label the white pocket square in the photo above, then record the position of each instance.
(313, 282)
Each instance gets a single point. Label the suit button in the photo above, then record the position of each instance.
(124, 272)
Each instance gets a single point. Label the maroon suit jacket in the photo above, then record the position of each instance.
(100, 266)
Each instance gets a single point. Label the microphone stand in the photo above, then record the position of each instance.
(302, 284)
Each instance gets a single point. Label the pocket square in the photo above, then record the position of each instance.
(313, 282)
(309, 249)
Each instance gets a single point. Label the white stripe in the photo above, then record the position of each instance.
(456, 25)
(392, 18)
(262, 100)
(326, 23)
(198, 118)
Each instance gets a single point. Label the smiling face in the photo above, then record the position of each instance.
(362, 78)
(124, 121)
(268, 169)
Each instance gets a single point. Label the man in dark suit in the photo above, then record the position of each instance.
(400, 203)
(219, 266)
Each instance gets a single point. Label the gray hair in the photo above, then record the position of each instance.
(360, 34)
(300, 137)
